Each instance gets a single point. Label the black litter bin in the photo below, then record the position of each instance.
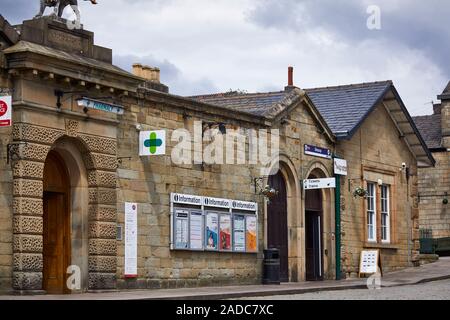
(271, 265)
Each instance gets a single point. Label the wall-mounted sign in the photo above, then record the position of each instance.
(5, 111)
(212, 231)
(152, 143)
(186, 199)
(216, 202)
(196, 230)
(317, 151)
(244, 205)
(340, 167)
(100, 105)
(130, 240)
(328, 183)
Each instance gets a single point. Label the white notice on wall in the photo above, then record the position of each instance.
(130, 240)
(196, 235)
(181, 229)
(5, 111)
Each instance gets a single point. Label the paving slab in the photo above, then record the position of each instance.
(431, 272)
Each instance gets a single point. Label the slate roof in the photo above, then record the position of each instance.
(255, 103)
(343, 108)
(430, 129)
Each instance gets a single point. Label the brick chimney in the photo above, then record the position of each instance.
(290, 85)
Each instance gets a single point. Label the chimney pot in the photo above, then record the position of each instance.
(137, 70)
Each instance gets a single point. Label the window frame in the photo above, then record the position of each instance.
(372, 212)
(386, 212)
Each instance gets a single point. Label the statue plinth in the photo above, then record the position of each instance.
(53, 32)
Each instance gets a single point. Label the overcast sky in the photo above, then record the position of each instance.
(205, 46)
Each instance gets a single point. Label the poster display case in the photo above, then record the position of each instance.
(213, 224)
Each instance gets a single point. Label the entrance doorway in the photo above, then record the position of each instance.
(313, 235)
(57, 237)
(277, 223)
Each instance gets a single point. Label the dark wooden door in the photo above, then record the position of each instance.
(277, 226)
(56, 225)
(313, 235)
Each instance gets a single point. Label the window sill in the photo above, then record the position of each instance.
(374, 245)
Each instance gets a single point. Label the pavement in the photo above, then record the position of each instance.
(439, 270)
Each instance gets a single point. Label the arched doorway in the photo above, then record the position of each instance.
(313, 234)
(57, 234)
(277, 223)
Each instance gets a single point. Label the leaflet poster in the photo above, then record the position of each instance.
(239, 233)
(181, 229)
(5, 111)
(130, 240)
(196, 232)
(212, 228)
(251, 233)
(225, 232)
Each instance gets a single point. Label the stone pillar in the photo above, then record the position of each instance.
(102, 221)
(27, 225)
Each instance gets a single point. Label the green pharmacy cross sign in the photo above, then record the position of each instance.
(152, 143)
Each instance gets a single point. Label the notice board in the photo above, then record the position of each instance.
(370, 262)
(213, 224)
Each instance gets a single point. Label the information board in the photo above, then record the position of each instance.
(130, 240)
(239, 233)
(213, 224)
(196, 230)
(370, 262)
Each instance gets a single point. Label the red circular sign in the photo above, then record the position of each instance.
(3, 108)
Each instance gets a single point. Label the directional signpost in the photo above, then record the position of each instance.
(311, 184)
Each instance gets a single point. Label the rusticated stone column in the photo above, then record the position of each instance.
(27, 225)
(102, 179)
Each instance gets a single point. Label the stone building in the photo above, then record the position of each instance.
(71, 160)
(434, 182)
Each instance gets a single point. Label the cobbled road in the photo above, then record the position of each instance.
(439, 290)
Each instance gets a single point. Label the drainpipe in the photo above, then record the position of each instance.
(337, 206)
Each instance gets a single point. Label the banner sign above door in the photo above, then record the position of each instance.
(317, 151)
(100, 105)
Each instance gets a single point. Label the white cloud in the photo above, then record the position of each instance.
(204, 46)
